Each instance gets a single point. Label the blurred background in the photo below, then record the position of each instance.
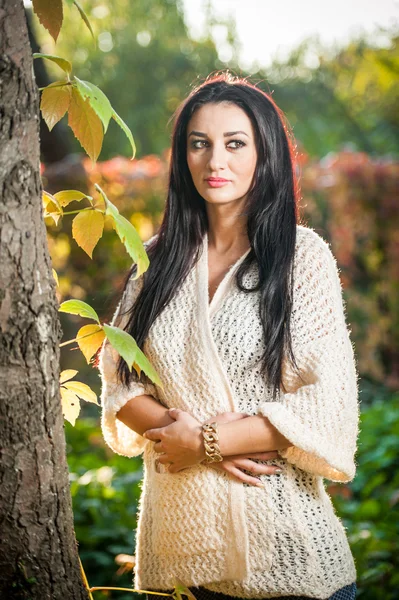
(333, 69)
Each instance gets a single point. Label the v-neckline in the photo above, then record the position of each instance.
(224, 283)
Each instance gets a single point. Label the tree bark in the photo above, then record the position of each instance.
(38, 553)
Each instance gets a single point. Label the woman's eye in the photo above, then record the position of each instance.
(237, 144)
(196, 144)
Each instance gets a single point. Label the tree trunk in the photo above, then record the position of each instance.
(38, 553)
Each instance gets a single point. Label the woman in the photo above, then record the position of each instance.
(241, 314)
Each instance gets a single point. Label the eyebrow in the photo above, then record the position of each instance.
(227, 134)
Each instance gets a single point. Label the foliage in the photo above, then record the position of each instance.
(331, 96)
(105, 491)
(89, 110)
(71, 391)
(137, 39)
(339, 97)
(351, 199)
(371, 511)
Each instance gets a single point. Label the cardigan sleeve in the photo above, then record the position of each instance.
(117, 435)
(321, 416)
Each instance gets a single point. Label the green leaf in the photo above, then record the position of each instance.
(145, 365)
(128, 235)
(127, 131)
(84, 17)
(127, 347)
(78, 307)
(98, 100)
(123, 343)
(85, 124)
(61, 62)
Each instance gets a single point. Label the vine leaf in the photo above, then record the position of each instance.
(65, 64)
(84, 17)
(78, 307)
(128, 235)
(67, 374)
(123, 343)
(85, 124)
(82, 390)
(71, 392)
(87, 229)
(70, 405)
(55, 277)
(65, 197)
(51, 207)
(50, 15)
(89, 339)
(126, 130)
(55, 102)
(98, 100)
(127, 347)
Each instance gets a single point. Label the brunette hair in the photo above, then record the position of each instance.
(272, 216)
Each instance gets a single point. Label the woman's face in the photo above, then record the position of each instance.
(221, 152)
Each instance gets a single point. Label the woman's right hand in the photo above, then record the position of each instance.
(236, 464)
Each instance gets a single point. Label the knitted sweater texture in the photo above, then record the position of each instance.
(201, 525)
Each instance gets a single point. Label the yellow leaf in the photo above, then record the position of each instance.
(50, 15)
(54, 104)
(56, 277)
(87, 229)
(67, 374)
(90, 344)
(85, 124)
(70, 405)
(66, 196)
(51, 207)
(99, 203)
(82, 390)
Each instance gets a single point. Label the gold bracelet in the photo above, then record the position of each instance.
(211, 439)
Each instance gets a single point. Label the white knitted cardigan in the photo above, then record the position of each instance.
(201, 525)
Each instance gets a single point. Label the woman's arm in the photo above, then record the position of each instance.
(144, 412)
(253, 434)
(181, 443)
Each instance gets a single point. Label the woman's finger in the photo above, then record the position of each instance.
(241, 476)
(229, 468)
(256, 468)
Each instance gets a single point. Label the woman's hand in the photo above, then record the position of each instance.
(234, 465)
(180, 444)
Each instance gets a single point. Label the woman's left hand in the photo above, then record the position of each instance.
(180, 444)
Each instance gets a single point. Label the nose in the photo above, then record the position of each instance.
(217, 158)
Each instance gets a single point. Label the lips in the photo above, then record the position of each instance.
(216, 182)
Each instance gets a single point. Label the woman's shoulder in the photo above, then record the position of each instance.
(312, 248)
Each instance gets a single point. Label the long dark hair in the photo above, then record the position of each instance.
(272, 216)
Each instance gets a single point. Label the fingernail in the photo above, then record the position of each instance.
(278, 470)
(259, 484)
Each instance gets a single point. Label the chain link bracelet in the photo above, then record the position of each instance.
(211, 439)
